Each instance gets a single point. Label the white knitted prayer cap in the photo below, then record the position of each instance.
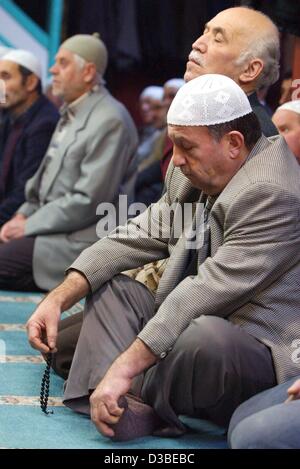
(26, 59)
(208, 100)
(175, 83)
(290, 106)
(153, 92)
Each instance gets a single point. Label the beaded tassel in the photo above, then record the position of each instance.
(45, 386)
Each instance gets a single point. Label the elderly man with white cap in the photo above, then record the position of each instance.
(226, 311)
(89, 161)
(287, 120)
(27, 127)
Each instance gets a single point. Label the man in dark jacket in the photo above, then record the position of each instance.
(28, 123)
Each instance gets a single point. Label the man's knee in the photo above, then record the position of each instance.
(208, 337)
(252, 433)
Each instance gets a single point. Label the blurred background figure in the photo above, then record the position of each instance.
(151, 112)
(170, 89)
(3, 51)
(287, 120)
(28, 123)
(152, 171)
(261, 96)
(286, 88)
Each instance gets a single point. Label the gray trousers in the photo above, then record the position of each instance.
(213, 367)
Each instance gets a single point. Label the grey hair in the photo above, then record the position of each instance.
(81, 63)
(267, 48)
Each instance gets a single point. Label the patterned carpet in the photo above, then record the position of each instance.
(24, 426)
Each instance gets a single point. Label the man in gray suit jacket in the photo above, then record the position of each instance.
(223, 322)
(89, 160)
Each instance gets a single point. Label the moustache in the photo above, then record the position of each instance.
(196, 57)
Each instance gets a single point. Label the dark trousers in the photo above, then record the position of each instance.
(213, 367)
(16, 265)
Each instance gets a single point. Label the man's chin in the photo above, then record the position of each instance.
(56, 92)
(193, 71)
(191, 74)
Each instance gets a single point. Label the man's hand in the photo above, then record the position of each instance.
(13, 229)
(105, 410)
(104, 400)
(42, 326)
(294, 390)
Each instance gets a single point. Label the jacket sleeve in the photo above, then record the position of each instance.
(261, 242)
(142, 240)
(101, 170)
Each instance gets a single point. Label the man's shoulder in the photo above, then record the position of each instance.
(275, 162)
(104, 110)
(274, 169)
(110, 106)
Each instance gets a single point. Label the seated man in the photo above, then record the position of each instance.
(240, 43)
(270, 420)
(287, 120)
(220, 326)
(26, 129)
(244, 45)
(89, 160)
(149, 101)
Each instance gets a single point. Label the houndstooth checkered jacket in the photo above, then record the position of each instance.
(252, 276)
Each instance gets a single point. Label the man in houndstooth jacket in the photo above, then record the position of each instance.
(224, 320)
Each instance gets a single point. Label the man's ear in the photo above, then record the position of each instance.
(89, 72)
(235, 143)
(31, 82)
(251, 71)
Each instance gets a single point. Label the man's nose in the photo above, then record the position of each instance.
(200, 44)
(53, 69)
(178, 158)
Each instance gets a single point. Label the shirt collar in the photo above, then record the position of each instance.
(72, 109)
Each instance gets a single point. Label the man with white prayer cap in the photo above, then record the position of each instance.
(220, 326)
(287, 120)
(151, 109)
(27, 127)
(170, 89)
(150, 98)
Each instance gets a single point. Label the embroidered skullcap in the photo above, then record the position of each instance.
(25, 59)
(208, 100)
